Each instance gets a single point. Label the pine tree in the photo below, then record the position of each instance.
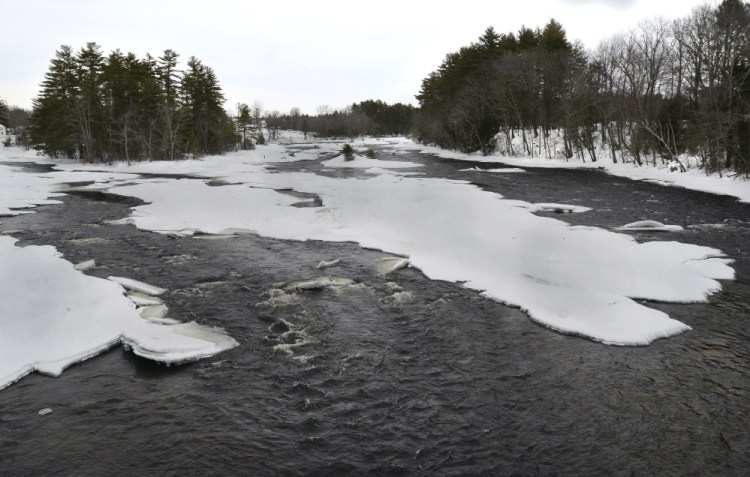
(202, 101)
(4, 114)
(52, 125)
(89, 112)
(170, 122)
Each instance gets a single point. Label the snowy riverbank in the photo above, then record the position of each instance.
(694, 178)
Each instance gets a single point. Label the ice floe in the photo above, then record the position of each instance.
(500, 170)
(361, 162)
(176, 344)
(390, 264)
(153, 311)
(85, 265)
(53, 316)
(142, 299)
(650, 226)
(135, 285)
(328, 263)
(319, 282)
(579, 280)
(560, 208)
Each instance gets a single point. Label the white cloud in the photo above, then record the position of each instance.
(298, 53)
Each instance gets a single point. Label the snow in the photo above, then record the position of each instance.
(20, 190)
(560, 208)
(153, 311)
(502, 170)
(135, 285)
(361, 162)
(694, 178)
(85, 265)
(651, 226)
(319, 282)
(142, 299)
(76, 316)
(390, 264)
(578, 280)
(328, 263)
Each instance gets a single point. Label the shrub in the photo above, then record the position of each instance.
(348, 152)
(370, 153)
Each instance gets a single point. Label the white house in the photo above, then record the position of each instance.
(3, 131)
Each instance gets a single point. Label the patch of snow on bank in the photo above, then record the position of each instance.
(694, 178)
(52, 316)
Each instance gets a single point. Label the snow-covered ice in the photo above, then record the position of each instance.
(579, 280)
(319, 282)
(574, 279)
(560, 208)
(153, 311)
(501, 170)
(85, 265)
(651, 226)
(328, 263)
(142, 299)
(52, 316)
(138, 286)
(362, 162)
(390, 264)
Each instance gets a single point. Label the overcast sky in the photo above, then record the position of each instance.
(287, 53)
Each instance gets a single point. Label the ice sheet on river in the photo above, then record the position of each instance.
(52, 316)
(579, 280)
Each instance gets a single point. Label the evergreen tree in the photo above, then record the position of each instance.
(4, 114)
(53, 127)
(202, 101)
(89, 113)
(120, 107)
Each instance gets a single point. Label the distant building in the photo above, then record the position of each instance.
(3, 131)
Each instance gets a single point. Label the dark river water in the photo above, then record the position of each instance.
(398, 375)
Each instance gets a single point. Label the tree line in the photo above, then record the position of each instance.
(121, 107)
(651, 94)
(370, 117)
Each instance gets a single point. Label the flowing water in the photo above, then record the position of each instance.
(388, 375)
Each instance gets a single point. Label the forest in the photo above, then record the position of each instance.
(119, 107)
(369, 117)
(661, 90)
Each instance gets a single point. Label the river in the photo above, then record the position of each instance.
(399, 375)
